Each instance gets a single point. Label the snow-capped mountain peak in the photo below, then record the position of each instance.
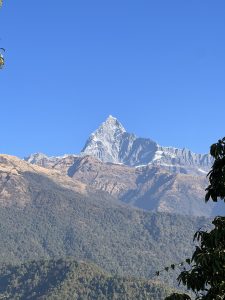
(36, 157)
(111, 143)
(111, 127)
(105, 142)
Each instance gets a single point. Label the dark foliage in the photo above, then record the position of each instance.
(60, 223)
(206, 276)
(68, 280)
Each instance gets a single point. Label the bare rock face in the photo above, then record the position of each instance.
(45, 161)
(105, 142)
(114, 179)
(162, 191)
(111, 143)
(151, 187)
(40, 159)
(182, 161)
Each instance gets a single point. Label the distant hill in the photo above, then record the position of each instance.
(70, 280)
(44, 214)
(149, 187)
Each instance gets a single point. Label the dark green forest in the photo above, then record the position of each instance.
(68, 280)
(118, 239)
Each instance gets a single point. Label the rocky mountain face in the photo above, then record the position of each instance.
(137, 171)
(45, 161)
(111, 143)
(105, 142)
(149, 187)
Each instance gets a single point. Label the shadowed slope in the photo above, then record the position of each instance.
(59, 217)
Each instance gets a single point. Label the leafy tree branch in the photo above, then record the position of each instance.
(206, 277)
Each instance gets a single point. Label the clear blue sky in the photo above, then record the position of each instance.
(158, 66)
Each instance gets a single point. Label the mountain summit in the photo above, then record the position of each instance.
(111, 143)
(137, 170)
(105, 142)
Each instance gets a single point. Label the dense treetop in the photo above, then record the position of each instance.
(206, 276)
(68, 279)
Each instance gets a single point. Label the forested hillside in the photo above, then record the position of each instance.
(70, 280)
(45, 214)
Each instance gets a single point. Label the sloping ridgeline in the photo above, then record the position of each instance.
(68, 279)
(46, 215)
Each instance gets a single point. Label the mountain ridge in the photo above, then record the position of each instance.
(137, 171)
(45, 214)
(111, 143)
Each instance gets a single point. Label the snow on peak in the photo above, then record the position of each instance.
(109, 131)
(111, 117)
(111, 143)
(112, 123)
(33, 158)
(104, 143)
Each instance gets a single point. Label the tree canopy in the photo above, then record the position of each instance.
(206, 276)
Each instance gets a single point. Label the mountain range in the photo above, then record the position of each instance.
(44, 214)
(124, 203)
(137, 171)
(111, 143)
